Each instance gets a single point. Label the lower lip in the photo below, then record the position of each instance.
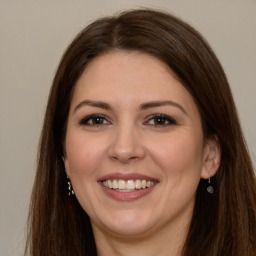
(127, 196)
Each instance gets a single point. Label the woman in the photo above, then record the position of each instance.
(141, 151)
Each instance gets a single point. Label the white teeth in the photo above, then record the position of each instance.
(121, 184)
(130, 184)
(149, 184)
(127, 186)
(110, 184)
(115, 185)
(138, 184)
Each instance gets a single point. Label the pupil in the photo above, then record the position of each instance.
(159, 120)
(98, 120)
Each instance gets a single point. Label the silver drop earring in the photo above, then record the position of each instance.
(210, 188)
(70, 189)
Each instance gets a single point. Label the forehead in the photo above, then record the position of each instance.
(130, 76)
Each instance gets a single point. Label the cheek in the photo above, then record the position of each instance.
(180, 157)
(83, 155)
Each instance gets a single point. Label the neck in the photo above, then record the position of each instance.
(168, 240)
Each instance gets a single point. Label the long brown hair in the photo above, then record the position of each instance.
(223, 223)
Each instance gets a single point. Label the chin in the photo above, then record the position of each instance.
(126, 224)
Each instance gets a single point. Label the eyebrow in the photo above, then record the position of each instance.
(98, 104)
(143, 106)
(155, 104)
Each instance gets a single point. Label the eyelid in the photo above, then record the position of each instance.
(106, 120)
(84, 120)
(170, 119)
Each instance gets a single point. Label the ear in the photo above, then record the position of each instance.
(212, 157)
(65, 161)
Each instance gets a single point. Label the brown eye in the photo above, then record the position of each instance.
(161, 120)
(94, 120)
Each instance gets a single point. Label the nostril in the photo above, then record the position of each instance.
(126, 145)
(124, 158)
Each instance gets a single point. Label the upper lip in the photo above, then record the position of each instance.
(127, 176)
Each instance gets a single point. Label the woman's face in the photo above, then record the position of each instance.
(134, 145)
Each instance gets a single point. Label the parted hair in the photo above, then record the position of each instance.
(223, 223)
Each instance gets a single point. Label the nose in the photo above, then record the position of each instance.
(126, 145)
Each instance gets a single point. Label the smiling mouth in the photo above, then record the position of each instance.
(128, 185)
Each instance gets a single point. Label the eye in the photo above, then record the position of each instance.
(94, 120)
(161, 120)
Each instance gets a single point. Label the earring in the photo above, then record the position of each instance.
(210, 188)
(70, 189)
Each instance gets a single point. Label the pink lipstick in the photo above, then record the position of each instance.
(127, 187)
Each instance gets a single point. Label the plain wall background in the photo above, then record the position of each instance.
(33, 36)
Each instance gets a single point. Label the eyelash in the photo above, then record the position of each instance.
(160, 120)
(90, 120)
(164, 120)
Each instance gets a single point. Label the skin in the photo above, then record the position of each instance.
(129, 140)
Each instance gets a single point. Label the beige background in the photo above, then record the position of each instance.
(33, 36)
